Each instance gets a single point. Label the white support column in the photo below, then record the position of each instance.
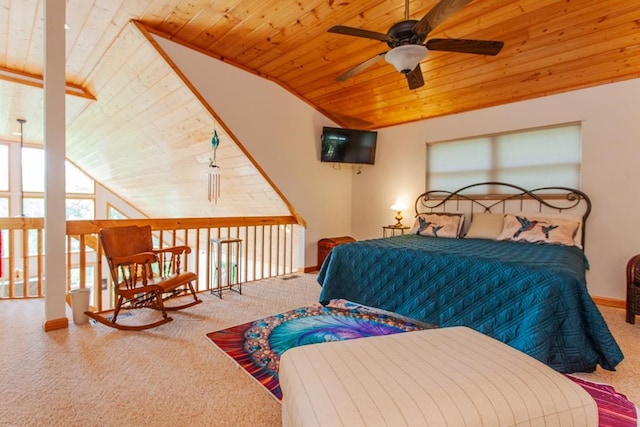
(55, 153)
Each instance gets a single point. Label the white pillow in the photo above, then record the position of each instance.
(485, 226)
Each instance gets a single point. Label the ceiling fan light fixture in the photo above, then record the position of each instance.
(406, 57)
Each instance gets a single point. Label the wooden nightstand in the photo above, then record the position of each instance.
(392, 230)
(325, 246)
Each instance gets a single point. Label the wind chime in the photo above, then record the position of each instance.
(213, 189)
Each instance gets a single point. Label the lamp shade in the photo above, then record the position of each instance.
(406, 57)
(399, 205)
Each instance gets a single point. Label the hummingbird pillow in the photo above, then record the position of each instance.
(529, 228)
(438, 225)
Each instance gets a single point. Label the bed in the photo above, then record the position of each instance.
(498, 279)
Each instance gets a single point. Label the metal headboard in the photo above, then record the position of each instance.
(501, 197)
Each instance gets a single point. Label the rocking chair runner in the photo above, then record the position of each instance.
(143, 276)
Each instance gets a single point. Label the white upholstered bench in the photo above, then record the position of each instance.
(437, 377)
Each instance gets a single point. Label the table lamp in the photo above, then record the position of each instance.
(398, 207)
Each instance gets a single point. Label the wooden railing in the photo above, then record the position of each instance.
(269, 248)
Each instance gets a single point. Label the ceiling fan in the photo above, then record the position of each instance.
(407, 42)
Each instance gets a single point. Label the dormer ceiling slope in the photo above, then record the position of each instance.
(147, 137)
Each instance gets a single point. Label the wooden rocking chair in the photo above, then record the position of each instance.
(143, 276)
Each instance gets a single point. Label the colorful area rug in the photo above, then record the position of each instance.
(257, 346)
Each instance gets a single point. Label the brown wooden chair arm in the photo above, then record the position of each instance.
(170, 259)
(141, 258)
(175, 250)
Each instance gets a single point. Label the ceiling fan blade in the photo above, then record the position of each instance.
(415, 79)
(361, 67)
(440, 12)
(358, 32)
(480, 47)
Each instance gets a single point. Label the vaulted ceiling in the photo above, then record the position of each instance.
(550, 46)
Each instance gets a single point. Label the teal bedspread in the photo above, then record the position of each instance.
(532, 297)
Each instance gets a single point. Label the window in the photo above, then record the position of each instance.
(76, 181)
(75, 274)
(4, 212)
(531, 158)
(33, 207)
(79, 209)
(75, 208)
(113, 213)
(33, 170)
(4, 167)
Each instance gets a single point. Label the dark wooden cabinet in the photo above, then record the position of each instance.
(633, 289)
(325, 246)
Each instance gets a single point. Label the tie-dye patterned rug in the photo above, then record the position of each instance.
(256, 346)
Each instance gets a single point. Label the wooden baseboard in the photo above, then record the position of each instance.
(54, 324)
(608, 302)
(313, 269)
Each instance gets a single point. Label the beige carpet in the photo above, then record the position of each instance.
(626, 377)
(171, 375)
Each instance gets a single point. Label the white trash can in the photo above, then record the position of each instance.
(80, 304)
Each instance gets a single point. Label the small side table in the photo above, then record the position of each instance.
(325, 245)
(224, 271)
(392, 230)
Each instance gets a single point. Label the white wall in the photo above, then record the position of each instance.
(282, 134)
(610, 169)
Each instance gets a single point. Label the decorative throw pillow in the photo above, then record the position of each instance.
(552, 216)
(485, 226)
(538, 229)
(438, 224)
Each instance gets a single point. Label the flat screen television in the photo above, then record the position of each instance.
(348, 145)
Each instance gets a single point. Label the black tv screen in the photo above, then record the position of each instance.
(348, 145)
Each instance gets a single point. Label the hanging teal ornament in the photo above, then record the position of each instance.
(215, 141)
(214, 171)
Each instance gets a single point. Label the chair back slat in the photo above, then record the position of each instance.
(126, 241)
(123, 242)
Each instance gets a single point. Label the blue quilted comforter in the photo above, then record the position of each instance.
(531, 297)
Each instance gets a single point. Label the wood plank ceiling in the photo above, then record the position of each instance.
(551, 46)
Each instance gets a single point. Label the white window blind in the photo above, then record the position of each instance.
(531, 158)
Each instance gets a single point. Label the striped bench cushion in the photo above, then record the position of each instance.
(438, 377)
